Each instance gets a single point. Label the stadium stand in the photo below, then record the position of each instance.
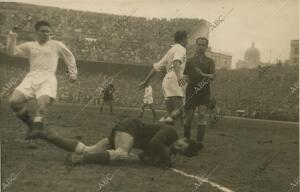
(106, 44)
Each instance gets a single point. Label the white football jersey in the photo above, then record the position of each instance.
(44, 57)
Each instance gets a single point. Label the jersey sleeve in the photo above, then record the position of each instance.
(69, 59)
(22, 50)
(179, 55)
(161, 65)
(187, 69)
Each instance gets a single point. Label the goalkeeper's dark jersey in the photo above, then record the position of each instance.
(153, 138)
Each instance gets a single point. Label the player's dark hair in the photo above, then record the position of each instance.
(179, 36)
(38, 24)
(203, 38)
(192, 149)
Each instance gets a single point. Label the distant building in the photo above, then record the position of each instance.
(252, 55)
(222, 60)
(251, 58)
(294, 55)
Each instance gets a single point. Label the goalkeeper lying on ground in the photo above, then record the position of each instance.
(157, 141)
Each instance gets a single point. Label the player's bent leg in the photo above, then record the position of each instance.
(111, 107)
(43, 102)
(169, 106)
(123, 144)
(142, 110)
(188, 120)
(90, 154)
(202, 124)
(101, 146)
(123, 141)
(177, 104)
(17, 102)
(51, 136)
(153, 111)
(101, 106)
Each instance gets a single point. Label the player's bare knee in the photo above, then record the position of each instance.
(15, 104)
(50, 135)
(44, 101)
(80, 148)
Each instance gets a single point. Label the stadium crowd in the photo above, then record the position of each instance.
(96, 36)
(136, 40)
(234, 90)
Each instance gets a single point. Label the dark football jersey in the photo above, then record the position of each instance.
(154, 138)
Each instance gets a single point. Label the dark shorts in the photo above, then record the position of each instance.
(195, 97)
(108, 98)
(126, 126)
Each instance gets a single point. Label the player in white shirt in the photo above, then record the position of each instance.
(148, 100)
(40, 82)
(173, 64)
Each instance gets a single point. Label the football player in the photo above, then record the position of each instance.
(173, 64)
(148, 100)
(156, 140)
(200, 71)
(40, 83)
(108, 97)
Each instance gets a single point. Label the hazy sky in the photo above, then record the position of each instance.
(271, 24)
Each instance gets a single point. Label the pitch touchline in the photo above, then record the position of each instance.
(213, 184)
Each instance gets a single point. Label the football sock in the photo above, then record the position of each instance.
(187, 131)
(154, 114)
(38, 122)
(63, 143)
(23, 114)
(200, 133)
(96, 158)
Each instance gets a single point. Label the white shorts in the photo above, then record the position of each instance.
(148, 100)
(171, 88)
(38, 83)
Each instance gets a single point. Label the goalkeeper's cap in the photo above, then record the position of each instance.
(192, 149)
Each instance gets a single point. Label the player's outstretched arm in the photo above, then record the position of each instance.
(12, 48)
(69, 60)
(207, 75)
(143, 84)
(157, 67)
